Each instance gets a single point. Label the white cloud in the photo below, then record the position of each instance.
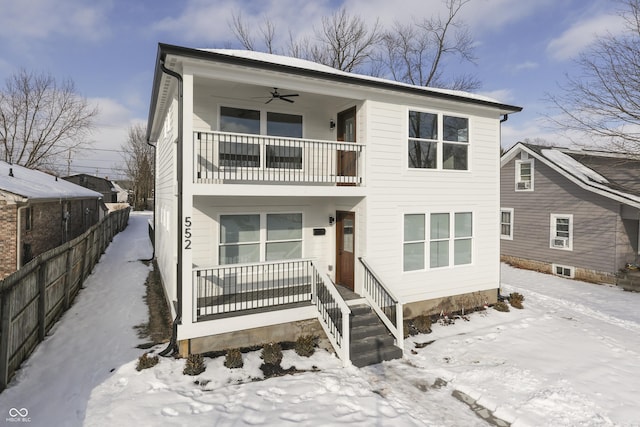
(527, 65)
(41, 19)
(582, 34)
(501, 95)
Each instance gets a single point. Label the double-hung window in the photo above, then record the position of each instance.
(260, 237)
(438, 141)
(524, 175)
(449, 240)
(561, 228)
(414, 242)
(506, 223)
(246, 151)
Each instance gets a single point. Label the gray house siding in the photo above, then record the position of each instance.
(627, 242)
(597, 224)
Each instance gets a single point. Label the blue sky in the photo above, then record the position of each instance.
(108, 48)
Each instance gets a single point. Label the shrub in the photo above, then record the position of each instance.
(194, 365)
(145, 361)
(233, 359)
(305, 345)
(272, 354)
(516, 300)
(501, 306)
(422, 324)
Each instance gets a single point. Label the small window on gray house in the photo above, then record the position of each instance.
(28, 218)
(506, 223)
(524, 175)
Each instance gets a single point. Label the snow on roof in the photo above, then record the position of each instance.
(573, 166)
(34, 184)
(309, 65)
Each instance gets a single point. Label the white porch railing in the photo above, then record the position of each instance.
(233, 157)
(243, 288)
(387, 306)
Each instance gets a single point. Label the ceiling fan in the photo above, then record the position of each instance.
(277, 95)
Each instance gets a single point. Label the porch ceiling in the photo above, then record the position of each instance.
(244, 93)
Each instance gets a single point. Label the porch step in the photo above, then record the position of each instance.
(371, 342)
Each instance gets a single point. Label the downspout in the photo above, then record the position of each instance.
(504, 118)
(18, 238)
(173, 344)
(155, 172)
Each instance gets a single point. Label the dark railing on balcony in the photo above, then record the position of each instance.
(384, 303)
(242, 287)
(233, 157)
(329, 309)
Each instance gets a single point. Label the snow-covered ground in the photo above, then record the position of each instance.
(571, 357)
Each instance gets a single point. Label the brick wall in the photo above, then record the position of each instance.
(7, 239)
(46, 229)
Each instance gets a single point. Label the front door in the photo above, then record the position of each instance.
(345, 248)
(347, 160)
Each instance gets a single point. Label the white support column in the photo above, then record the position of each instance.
(186, 222)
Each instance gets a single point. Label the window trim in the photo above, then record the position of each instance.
(511, 222)
(262, 234)
(572, 271)
(451, 239)
(553, 232)
(439, 141)
(518, 177)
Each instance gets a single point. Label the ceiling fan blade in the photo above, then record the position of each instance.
(269, 100)
(292, 94)
(287, 99)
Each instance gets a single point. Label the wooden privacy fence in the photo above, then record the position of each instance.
(34, 297)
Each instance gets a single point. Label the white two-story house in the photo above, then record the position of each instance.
(290, 194)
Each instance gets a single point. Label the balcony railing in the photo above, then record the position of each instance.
(246, 288)
(232, 157)
(384, 303)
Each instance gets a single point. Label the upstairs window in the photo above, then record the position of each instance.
(524, 175)
(438, 141)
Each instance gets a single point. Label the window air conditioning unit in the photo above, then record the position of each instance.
(560, 243)
(524, 185)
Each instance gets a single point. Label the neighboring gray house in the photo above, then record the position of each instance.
(573, 213)
(95, 183)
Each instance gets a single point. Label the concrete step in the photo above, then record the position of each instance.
(371, 342)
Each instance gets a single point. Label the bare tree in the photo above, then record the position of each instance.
(41, 119)
(242, 32)
(416, 53)
(138, 157)
(602, 102)
(344, 42)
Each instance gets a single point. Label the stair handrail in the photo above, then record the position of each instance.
(395, 324)
(338, 334)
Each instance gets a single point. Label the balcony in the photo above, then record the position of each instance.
(228, 158)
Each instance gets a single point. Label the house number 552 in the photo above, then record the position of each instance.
(187, 232)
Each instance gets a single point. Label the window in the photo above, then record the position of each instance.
(239, 239)
(260, 237)
(561, 232)
(456, 137)
(524, 175)
(284, 236)
(450, 239)
(563, 270)
(425, 142)
(234, 152)
(462, 238)
(414, 242)
(439, 246)
(506, 223)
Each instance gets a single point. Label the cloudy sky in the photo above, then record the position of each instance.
(108, 48)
